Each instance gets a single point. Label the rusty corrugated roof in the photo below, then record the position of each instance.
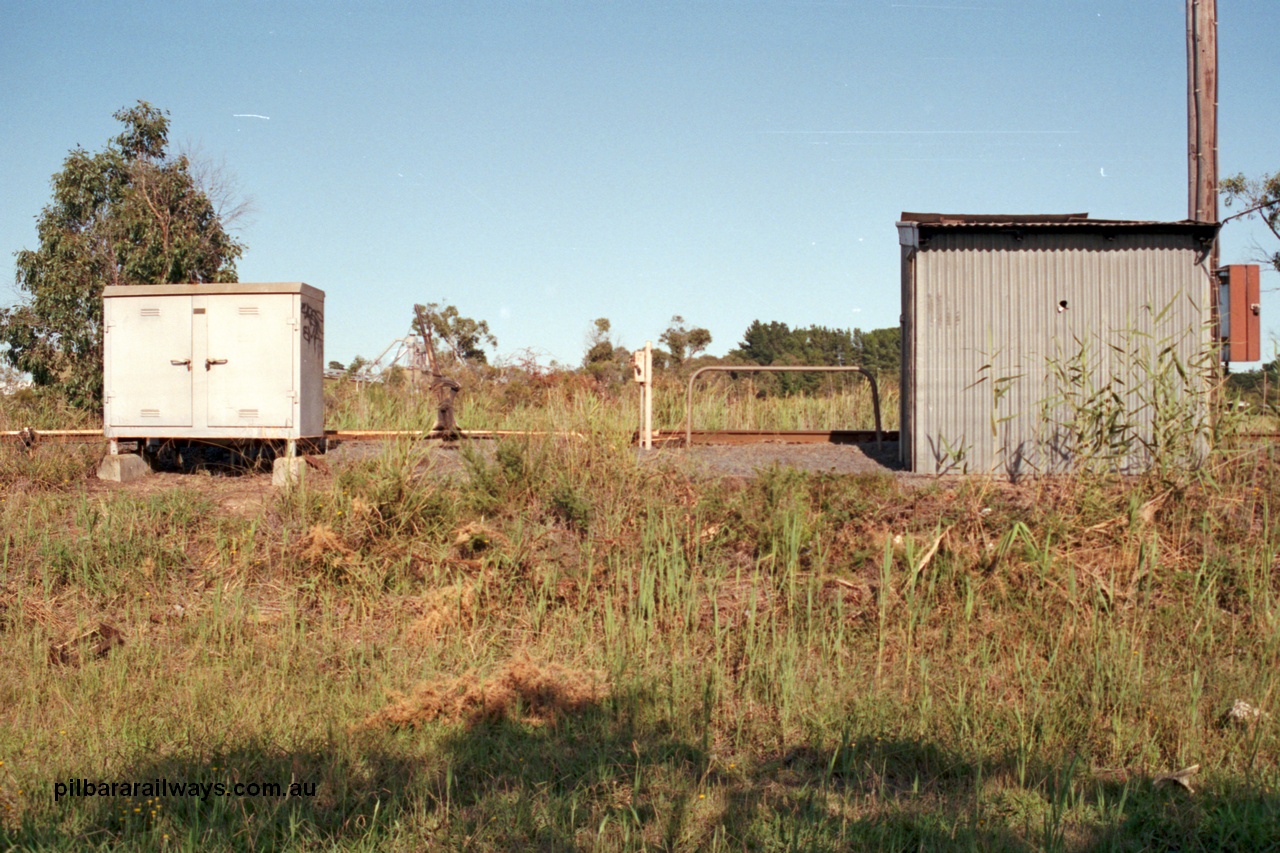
(991, 218)
(1019, 222)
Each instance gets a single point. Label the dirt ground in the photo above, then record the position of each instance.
(245, 493)
(241, 494)
(707, 461)
(744, 460)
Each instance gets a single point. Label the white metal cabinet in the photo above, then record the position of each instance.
(214, 361)
(149, 366)
(250, 376)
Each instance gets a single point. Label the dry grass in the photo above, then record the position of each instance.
(521, 690)
(445, 609)
(322, 547)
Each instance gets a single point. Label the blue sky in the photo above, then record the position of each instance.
(541, 164)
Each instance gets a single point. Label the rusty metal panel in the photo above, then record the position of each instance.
(998, 316)
(1253, 311)
(1244, 334)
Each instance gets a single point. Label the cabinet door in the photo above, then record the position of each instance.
(147, 341)
(249, 360)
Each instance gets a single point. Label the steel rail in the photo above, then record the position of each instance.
(425, 434)
(32, 436)
(726, 368)
(789, 436)
(35, 436)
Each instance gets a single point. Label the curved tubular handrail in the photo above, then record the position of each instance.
(799, 368)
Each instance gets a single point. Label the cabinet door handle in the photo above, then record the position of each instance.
(210, 362)
(179, 363)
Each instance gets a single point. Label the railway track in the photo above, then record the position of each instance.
(663, 439)
(40, 436)
(758, 436)
(669, 439)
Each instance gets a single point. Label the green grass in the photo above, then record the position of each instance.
(39, 409)
(515, 400)
(562, 647)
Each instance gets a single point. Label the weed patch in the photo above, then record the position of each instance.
(522, 690)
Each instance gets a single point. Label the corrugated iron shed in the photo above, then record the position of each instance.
(1014, 323)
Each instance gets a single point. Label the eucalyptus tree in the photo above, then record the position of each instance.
(129, 214)
(1260, 197)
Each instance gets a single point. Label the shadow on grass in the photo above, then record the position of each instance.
(871, 794)
(340, 798)
(498, 784)
(589, 781)
(611, 776)
(1239, 818)
(901, 794)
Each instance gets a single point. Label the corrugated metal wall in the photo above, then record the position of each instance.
(988, 325)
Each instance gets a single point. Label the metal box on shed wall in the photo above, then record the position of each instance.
(234, 361)
(999, 311)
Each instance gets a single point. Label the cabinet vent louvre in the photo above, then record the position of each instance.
(249, 310)
(150, 312)
(248, 413)
(150, 413)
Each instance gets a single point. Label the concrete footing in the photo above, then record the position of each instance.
(287, 471)
(124, 468)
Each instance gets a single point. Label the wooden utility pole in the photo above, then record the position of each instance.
(1202, 113)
